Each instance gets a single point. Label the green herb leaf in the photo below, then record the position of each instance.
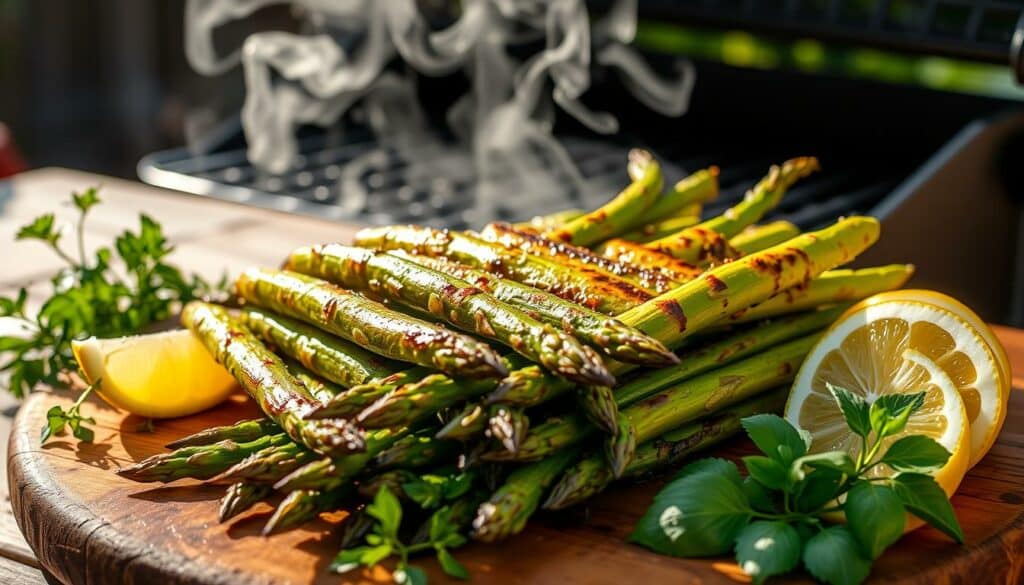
(373, 555)
(41, 228)
(889, 413)
(714, 465)
(875, 516)
(836, 460)
(855, 409)
(388, 512)
(916, 453)
(817, 489)
(451, 566)
(776, 438)
(758, 496)
(456, 486)
(410, 575)
(768, 472)
(425, 494)
(699, 514)
(924, 498)
(764, 549)
(833, 556)
(348, 559)
(85, 200)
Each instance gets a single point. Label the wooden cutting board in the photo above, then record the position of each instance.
(87, 525)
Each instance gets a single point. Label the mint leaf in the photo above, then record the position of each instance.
(388, 512)
(924, 498)
(767, 471)
(699, 514)
(764, 549)
(832, 556)
(875, 516)
(451, 567)
(916, 453)
(775, 437)
(855, 409)
(889, 413)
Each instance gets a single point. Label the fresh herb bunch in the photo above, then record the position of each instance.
(105, 296)
(776, 515)
(383, 541)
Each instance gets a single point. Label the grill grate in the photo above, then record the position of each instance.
(973, 29)
(359, 181)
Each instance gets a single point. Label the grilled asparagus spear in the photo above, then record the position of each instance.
(605, 334)
(591, 474)
(327, 356)
(240, 432)
(453, 300)
(240, 497)
(693, 190)
(505, 513)
(266, 379)
(301, 506)
(707, 241)
(327, 474)
(590, 288)
(269, 465)
(656, 231)
(367, 323)
(621, 212)
(198, 462)
(758, 237)
(665, 410)
(350, 403)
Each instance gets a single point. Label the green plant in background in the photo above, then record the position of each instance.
(775, 517)
(742, 49)
(117, 291)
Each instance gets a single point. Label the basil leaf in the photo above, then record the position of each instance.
(767, 471)
(764, 549)
(697, 515)
(451, 566)
(875, 516)
(388, 512)
(833, 556)
(854, 408)
(925, 498)
(916, 453)
(775, 437)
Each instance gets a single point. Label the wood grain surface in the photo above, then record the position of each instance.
(87, 525)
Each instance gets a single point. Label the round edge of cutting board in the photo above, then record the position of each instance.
(76, 545)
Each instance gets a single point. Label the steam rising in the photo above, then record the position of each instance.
(504, 121)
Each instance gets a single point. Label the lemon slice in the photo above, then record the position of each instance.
(160, 375)
(960, 310)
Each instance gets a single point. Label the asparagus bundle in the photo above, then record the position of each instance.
(346, 416)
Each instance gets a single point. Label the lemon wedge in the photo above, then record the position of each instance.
(160, 375)
(899, 347)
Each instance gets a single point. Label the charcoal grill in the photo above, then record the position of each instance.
(943, 170)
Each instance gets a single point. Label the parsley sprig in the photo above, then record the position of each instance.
(119, 290)
(383, 541)
(775, 517)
